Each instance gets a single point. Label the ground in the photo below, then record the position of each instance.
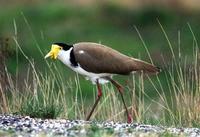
(13, 125)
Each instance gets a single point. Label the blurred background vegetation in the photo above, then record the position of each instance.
(115, 23)
(40, 23)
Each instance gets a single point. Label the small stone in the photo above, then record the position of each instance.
(5, 122)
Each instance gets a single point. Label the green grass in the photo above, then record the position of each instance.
(175, 99)
(47, 89)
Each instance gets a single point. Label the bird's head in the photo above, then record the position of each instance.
(56, 48)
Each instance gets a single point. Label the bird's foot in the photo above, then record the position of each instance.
(129, 118)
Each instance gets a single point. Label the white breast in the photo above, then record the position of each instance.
(64, 56)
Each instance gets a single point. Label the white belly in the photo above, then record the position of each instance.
(92, 76)
(89, 75)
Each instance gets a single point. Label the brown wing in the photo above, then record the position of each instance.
(97, 58)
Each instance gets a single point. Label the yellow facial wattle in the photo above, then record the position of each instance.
(54, 52)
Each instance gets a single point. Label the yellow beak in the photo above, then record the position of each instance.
(54, 52)
(49, 55)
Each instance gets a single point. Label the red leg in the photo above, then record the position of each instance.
(97, 100)
(120, 89)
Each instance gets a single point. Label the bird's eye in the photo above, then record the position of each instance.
(60, 48)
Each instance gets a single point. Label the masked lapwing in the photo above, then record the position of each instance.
(99, 63)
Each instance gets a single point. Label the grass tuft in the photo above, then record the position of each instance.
(34, 108)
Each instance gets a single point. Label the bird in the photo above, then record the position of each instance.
(99, 63)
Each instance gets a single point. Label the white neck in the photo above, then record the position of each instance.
(64, 56)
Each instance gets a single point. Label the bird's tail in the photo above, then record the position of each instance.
(140, 65)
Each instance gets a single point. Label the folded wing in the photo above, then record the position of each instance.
(97, 58)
